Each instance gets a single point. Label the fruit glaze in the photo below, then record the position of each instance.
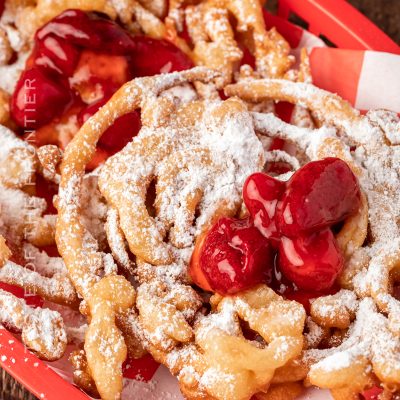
(78, 62)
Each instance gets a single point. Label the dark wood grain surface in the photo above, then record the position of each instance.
(384, 13)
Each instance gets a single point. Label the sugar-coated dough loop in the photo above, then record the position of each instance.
(372, 261)
(158, 303)
(5, 252)
(43, 330)
(210, 368)
(337, 310)
(104, 344)
(111, 295)
(57, 288)
(81, 374)
(180, 193)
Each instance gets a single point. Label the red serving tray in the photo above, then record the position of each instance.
(337, 21)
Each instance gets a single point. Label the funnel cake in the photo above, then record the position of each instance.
(371, 268)
(200, 137)
(200, 134)
(23, 224)
(181, 168)
(85, 263)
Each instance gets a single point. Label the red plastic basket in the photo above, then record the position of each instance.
(340, 23)
(336, 21)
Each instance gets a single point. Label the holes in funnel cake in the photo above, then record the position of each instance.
(396, 291)
(337, 227)
(197, 213)
(151, 197)
(251, 334)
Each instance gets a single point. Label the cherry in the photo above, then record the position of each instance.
(235, 256)
(286, 288)
(90, 30)
(75, 39)
(144, 367)
(151, 57)
(311, 262)
(195, 269)
(117, 135)
(320, 194)
(261, 194)
(38, 98)
(73, 26)
(56, 54)
(113, 39)
(372, 394)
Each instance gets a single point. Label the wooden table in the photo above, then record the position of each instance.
(385, 14)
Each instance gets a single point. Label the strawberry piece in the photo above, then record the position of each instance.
(311, 262)
(152, 57)
(286, 288)
(261, 194)
(76, 43)
(124, 129)
(319, 195)
(235, 256)
(38, 98)
(99, 157)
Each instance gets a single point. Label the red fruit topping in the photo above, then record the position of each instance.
(46, 190)
(112, 69)
(372, 394)
(151, 57)
(38, 98)
(117, 135)
(113, 39)
(57, 54)
(99, 158)
(140, 368)
(235, 256)
(311, 262)
(99, 76)
(261, 194)
(320, 194)
(282, 285)
(74, 26)
(75, 40)
(49, 133)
